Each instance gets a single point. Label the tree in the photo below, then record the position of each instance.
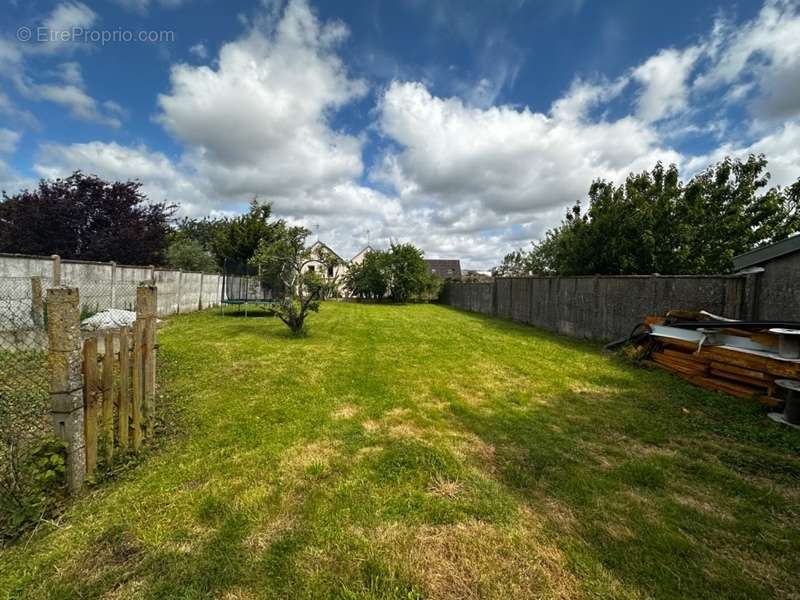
(653, 223)
(238, 238)
(189, 255)
(286, 255)
(368, 279)
(85, 217)
(406, 272)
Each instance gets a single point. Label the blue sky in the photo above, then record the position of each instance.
(464, 127)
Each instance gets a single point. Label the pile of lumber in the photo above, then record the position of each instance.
(738, 372)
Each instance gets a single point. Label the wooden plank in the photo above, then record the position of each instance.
(90, 403)
(687, 355)
(149, 377)
(108, 398)
(754, 362)
(731, 388)
(137, 384)
(123, 390)
(678, 365)
(739, 379)
(741, 371)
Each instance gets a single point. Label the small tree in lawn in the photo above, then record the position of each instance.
(286, 255)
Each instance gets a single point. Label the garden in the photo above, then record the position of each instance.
(417, 451)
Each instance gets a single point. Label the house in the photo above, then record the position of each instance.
(444, 268)
(330, 272)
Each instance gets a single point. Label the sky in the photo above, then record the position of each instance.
(466, 128)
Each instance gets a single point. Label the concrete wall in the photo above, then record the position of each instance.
(600, 307)
(777, 296)
(101, 286)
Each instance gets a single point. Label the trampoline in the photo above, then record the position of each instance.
(243, 286)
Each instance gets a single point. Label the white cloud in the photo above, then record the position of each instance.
(259, 120)
(59, 25)
(161, 179)
(510, 161)
(664, 83)
(68, 15)
(199, 50)
(764, 51)
(71, 93)
(8, 140)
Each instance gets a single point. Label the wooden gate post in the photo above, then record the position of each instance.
(66, 383)
(146, 303)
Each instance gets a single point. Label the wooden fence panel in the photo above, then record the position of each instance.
(107, 437)
(137, 385)
(90, 393)
(123, 390)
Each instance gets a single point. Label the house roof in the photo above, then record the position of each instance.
(766, 253)
(364, 250)
(328, 248)
(443, 265)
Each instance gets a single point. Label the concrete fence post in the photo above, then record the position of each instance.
(200, 295)
(180, 292)
(113, 284)
(37, 302)
(66, 382)
(56, 270)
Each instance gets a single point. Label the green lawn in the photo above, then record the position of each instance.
(419, 451)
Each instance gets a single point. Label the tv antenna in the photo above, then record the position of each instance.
(316, 226)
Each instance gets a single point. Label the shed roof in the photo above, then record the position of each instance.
(766, 253)
(442, 266)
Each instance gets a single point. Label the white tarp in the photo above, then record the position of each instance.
(109, 319)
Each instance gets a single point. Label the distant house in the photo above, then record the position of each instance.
(328, 272)
(444, 268)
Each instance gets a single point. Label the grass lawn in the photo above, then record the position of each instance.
(419, 451)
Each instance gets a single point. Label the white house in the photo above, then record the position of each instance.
(337, 272)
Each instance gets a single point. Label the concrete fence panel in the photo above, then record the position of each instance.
(607, 307)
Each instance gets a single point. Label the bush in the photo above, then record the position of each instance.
(32, 486)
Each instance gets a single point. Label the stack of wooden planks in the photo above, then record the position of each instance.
(737, 372)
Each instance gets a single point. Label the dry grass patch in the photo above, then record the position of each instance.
(478, 560)
(300, 457)
(446, 488)
(346, 411)
(263, 536)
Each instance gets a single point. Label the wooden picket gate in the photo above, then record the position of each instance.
(119, 385)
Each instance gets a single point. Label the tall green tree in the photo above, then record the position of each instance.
(368, 280)
(406, 272)
(189, 255)
(238, 238)
(653, 223)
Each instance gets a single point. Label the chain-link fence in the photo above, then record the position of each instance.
(24, 384)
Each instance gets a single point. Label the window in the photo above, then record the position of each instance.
(330, 271)
(311, 268)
